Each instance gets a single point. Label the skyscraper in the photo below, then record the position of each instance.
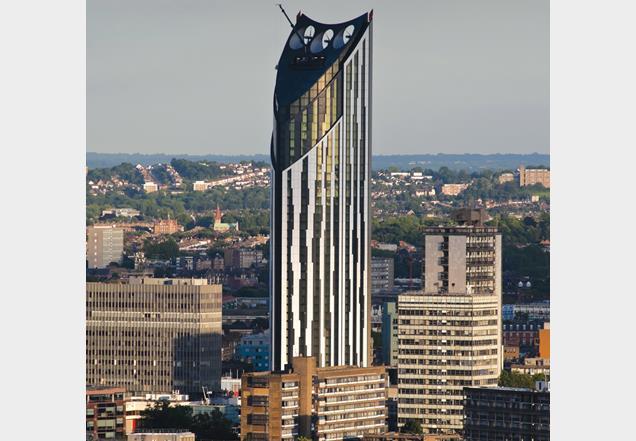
(321, 158)
(449, 335)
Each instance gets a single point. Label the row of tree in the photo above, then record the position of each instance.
(206, 426)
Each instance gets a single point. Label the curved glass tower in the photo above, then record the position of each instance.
(321, 158)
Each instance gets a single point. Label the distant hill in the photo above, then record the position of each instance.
(103, 160)
(470, 162)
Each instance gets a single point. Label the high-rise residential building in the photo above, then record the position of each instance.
(532, 176)
(328, 403)
(382, 274)
(321, 158)
(105, 413)
(503, 413)
(450, 333)
(389, 334)
(154, 335)
(105, 244)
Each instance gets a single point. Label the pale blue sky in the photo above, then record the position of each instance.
(197, 76)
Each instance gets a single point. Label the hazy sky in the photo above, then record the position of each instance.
(197, 76)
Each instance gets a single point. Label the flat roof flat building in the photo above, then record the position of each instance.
(329, 403)
(321, 222)
(504, 413)
(167, 435)
(154, 335)
(105, 413)
(449, 334)
(104, 245)
(532, 176)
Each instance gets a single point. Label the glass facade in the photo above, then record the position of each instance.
(320, 222)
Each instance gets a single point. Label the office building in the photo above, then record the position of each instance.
(450, 333)
(382, 274)
(105, 245)
(154, 335)
(532, 176)
(105, 413)
(328, 403)
(502, 413)
(389, 334)
(254, 349)
(321, 224)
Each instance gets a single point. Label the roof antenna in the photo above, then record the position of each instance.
(285, 14)
(292, 26)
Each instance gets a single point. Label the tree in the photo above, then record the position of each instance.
(165, 250)
(164, 416)
(377, 339)
(212, 426)
(516, 379)
(412, 426)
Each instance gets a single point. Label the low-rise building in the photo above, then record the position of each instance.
(150, 187)
(544, 341)
(329, 403)
(522, 334)
(531, 311)
(165, 435)
(506, 177)
(200, 186)
(532, 176)
(105, 412)
(242, 258)
(505, 413)
(254, 349)
(167, 226)
(532, 366)
(397, 436)
(453, 189)
(120, 212)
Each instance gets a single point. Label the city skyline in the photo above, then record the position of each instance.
(158, 72)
